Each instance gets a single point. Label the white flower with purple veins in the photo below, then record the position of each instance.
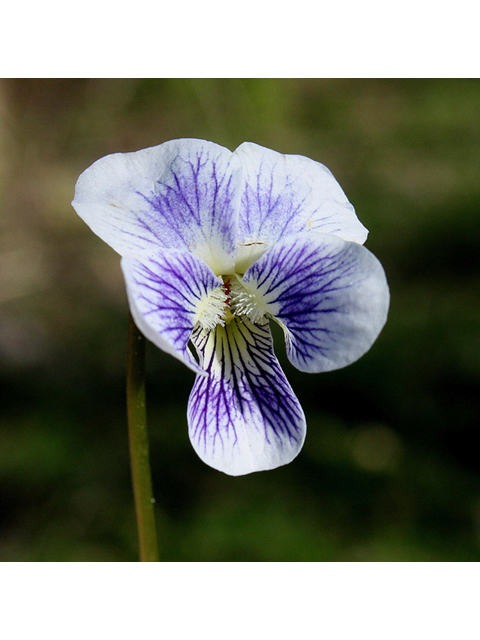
(216, 244)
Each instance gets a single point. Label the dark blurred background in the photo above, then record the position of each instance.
(390, 470)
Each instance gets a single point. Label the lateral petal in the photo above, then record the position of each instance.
(285, 194)
(180, 194)
(243, 415)
(330, 296)
(166, 293)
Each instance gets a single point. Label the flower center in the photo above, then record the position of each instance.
(227, 301)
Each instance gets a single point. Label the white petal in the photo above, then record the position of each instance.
(330, 296)
(243, 415)
(285, 194)
(166, 293)
(182, 194)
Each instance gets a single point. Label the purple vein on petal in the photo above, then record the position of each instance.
(286, 194)
(180, 194)
(244, 399)
(331, 297)
(165, 291)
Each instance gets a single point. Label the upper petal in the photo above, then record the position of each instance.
(166, 293)
(179, 194)
(243, 415)
(330, 296)
(284, 194)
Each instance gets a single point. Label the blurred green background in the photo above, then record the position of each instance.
(390, 470)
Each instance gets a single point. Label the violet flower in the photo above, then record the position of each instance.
(214, 245)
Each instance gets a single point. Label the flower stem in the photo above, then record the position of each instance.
(138, 438)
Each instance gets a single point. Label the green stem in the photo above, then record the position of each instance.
(138, 437)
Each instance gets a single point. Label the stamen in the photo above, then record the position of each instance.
(213, 309)
(244, 302)
(225, 302)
